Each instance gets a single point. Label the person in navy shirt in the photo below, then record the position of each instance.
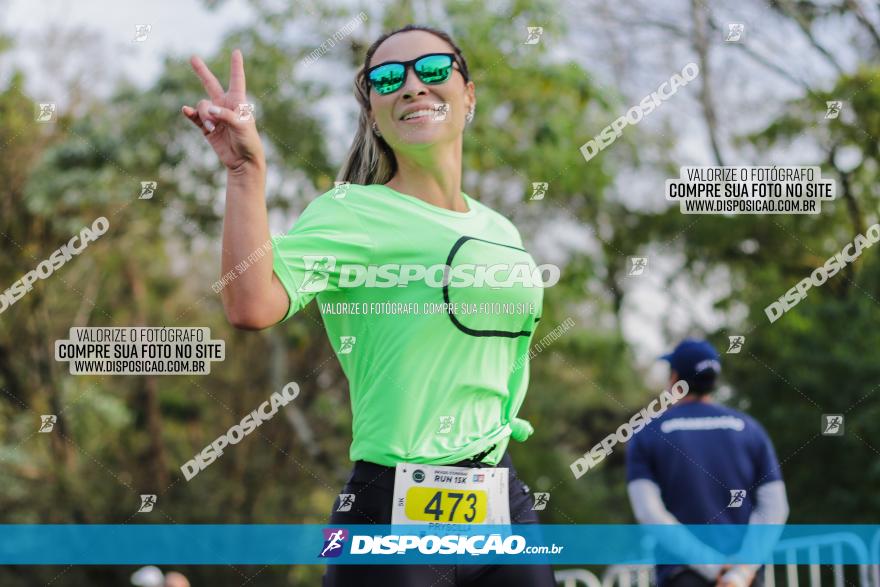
(703, 463)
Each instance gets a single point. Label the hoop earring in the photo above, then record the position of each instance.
(376, 129)
(469, 117)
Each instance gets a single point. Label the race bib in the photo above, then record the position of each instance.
(428, 494)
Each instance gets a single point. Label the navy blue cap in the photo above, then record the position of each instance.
(692, 358)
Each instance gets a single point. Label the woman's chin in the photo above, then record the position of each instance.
(426, 133)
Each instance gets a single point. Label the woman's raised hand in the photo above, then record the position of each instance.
(226, 120)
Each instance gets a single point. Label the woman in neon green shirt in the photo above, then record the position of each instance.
(428, 297)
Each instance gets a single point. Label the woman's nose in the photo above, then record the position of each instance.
(413, 86)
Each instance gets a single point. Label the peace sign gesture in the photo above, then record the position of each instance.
(227, 120)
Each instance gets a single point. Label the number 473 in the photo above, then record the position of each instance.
(435, 506)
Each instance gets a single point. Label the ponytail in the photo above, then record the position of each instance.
(370, 160)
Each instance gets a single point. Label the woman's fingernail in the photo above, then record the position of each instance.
(209, 125)
(214, 110)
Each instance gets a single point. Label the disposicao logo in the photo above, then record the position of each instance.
(333, 541)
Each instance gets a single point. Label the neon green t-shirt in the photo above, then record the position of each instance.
(429, 383)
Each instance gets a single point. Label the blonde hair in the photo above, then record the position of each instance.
(370, 159)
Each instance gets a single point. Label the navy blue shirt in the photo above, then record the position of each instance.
(698, 453)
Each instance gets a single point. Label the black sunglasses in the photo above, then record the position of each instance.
(433, 68)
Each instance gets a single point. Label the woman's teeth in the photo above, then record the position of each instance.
(417, 114)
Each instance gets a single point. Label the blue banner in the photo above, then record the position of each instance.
(304, 544)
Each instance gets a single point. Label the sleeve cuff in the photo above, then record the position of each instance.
(285, 277)
(520, 429)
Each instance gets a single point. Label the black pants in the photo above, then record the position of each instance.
(685, 577)
(373, 486)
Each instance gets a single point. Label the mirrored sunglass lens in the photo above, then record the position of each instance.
(387, 78)
(434, 69)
